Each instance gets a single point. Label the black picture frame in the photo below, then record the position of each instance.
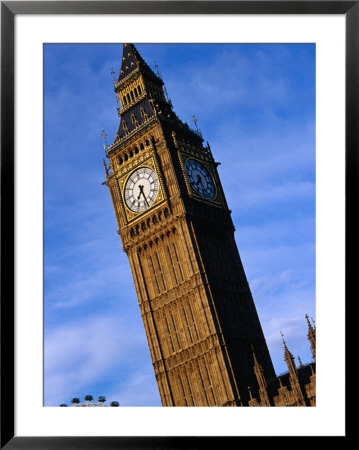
(9, 9)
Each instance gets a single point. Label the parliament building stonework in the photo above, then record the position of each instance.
(205, 338)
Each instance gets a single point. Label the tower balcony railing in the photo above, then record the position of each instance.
(128, 135)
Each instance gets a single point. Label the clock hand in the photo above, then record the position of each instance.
(141, 192)
(145, 198)
(199, 181)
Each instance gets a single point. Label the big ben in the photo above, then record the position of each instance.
(176, 229)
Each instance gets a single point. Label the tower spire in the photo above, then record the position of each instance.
(262, 383)
(293, 375)
(289, 358)
(133, 62)
(311, 337)
(142, 96)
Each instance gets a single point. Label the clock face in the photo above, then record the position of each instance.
(200, 179)
(141, 189)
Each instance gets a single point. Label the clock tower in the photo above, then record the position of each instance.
(176, 229)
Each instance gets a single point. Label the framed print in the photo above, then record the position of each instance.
(101, 138)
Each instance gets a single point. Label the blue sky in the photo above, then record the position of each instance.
(255, 104)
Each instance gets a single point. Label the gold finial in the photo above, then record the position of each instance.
(195, 120)
(113, 76)
(118, 106)
(158, 73)
(104, 135)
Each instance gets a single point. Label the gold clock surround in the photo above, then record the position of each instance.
(122, 181)
(217, 199)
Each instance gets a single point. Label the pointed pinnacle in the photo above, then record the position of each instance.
(254, 356)
(311, 368)
(308, 321)
(105, 166)
(250, 393)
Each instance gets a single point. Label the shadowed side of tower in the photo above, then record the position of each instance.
(200, 319)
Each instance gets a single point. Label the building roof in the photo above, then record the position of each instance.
(132, 61)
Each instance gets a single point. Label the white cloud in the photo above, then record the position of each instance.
(83, 354)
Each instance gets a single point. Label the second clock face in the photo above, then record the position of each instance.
(141, 189)
(200, 179)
